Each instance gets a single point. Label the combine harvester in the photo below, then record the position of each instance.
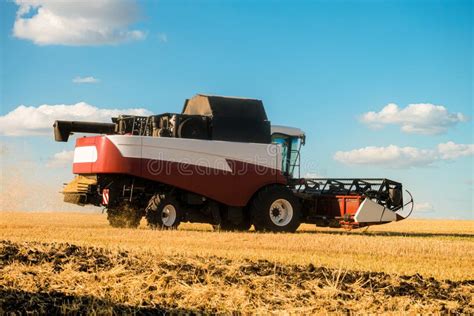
(219, 162)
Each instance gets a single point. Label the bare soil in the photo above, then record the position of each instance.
(65, 278)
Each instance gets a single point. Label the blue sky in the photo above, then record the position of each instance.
(317, 65)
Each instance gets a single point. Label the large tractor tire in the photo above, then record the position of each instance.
(124, 216)
(163, 212)
(275, 209)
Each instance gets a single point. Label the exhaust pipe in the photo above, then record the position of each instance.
(62, 129)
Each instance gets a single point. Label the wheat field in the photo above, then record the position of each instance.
(75, 262)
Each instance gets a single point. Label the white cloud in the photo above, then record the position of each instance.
(451, 150)
(61, 159)
(30, 120)
(88, 79)
(393, 156)
(421, 118)
(75, 23)
(403, 157)
(423, 207)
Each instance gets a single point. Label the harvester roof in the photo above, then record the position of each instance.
(229, 107)
(287, 130)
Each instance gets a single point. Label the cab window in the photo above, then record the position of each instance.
(283, 142)
(294, 154)
(290, 152)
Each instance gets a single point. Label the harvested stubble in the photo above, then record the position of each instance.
(73, 262)
(403, 248)
(61, 277)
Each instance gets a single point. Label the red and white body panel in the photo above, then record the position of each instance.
(228, 172)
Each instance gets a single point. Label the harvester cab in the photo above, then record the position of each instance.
(290, 139)
(219, 161)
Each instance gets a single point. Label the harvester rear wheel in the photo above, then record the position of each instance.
(124, 216)
(163, 213)
(275, 209)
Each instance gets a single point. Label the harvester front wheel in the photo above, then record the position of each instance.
(275, 209)
(163, 213)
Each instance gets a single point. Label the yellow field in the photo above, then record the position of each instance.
(195, 269)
